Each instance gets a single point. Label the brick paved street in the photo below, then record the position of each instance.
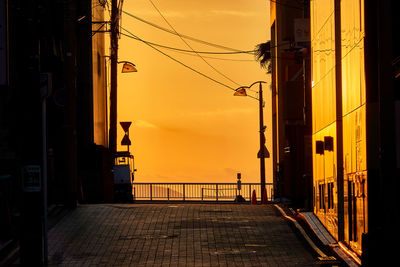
(175, 235)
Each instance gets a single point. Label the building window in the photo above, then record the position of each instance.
(98, 64)
(330, 196)
(322, 196)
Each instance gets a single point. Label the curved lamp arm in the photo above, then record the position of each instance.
(241, 91)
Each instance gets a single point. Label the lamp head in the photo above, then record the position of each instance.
(128, 67)
(241, 91)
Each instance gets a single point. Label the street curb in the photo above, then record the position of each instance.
(9, 252)
(337, 248)
(322, 257)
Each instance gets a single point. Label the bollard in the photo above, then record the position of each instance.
(265, 198)
(254, 198)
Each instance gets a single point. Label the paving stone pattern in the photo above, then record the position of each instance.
(175, 235)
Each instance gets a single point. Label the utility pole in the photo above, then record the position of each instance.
(262, 142)
(113, 90)
(263, 152)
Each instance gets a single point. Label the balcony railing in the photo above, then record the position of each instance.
(198, 191)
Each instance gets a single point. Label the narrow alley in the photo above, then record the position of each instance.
(176, 235)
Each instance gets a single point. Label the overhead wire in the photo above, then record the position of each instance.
(186, 36)
(152, 45)
(188, 45)
(185, 65)
(234, 51)
(217, 58)
(174, 59)
(189, 52)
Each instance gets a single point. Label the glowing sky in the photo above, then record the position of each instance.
(187, 128)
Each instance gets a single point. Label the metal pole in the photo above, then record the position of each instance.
(113, 67)
(151, 192)
(44, 173)
(262, 142)
(339, 122)
(44, 93)
(250, 193)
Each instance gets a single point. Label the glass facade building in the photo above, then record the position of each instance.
(351, 119)
(355, 122)
(323, 109)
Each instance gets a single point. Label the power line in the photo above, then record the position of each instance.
(188, 52)
(234, 51)
(183, 40)
(186, 36)
(218, 58)
(135, 37)
(186, 66)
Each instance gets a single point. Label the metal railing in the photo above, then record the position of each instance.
(198, 191)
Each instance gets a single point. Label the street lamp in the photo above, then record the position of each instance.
(263, 152)
(126, 68)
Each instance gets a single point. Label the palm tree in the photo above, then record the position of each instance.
(263, 55)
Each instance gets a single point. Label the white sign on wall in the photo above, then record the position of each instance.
(301, 31)
(31, 178)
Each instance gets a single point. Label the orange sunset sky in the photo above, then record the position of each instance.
(187, 128)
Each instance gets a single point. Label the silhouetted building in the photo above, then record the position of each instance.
(53, 44)
(291, 102)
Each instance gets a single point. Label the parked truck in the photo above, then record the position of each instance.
(123, 176)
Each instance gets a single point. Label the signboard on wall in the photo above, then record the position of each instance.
(31, 178)
(302, 32)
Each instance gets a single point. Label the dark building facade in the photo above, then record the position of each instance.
(53, 69)
(291, 102)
